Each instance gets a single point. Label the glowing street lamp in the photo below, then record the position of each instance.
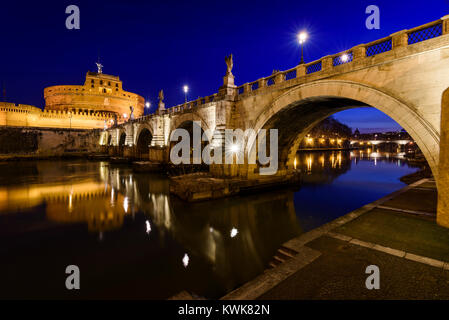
(302, 37)
(148, 104)
(344, 57)
(185, 89)
(234, 148)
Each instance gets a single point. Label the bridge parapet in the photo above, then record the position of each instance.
(402, 43)
(399, 44)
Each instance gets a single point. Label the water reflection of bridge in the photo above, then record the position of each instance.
(325, 166)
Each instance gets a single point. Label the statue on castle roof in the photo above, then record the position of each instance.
(99, 67)
(229, 63)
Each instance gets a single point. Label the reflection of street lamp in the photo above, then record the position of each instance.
(185, 89)
(302, 37)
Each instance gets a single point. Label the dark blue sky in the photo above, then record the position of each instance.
(155, 45)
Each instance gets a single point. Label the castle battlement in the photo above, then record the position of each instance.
(19, 115)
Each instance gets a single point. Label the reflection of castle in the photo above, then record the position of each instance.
(82, 201)
(95, 104)
(229, 241)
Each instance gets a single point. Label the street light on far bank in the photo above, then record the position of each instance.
(185, 89)
(302, 37)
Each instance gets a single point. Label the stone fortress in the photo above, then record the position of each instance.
(97, 104)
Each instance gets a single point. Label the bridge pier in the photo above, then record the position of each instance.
(443, 167)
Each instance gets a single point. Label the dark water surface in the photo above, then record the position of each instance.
(131, 239)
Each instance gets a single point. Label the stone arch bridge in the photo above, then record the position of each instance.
(403, 75)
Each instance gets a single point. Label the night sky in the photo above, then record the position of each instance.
(155, 45)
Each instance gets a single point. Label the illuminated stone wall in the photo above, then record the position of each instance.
(29, 116)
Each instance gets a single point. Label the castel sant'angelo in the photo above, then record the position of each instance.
(99, 103)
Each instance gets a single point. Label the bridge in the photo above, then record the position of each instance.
(376, 142)
(403, 75)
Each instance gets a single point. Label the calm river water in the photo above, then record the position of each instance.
(131, 239)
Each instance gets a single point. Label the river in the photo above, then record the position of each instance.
(131, 239)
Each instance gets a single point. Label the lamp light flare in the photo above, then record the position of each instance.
(147, 104)
(186, 89)
(302, 37)
(234, 232)
(234, 148)
(344, 57)
(185, 260)
(148, 225)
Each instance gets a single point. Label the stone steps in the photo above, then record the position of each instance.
(283, 254)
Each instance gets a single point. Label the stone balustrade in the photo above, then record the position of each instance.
(359, 56)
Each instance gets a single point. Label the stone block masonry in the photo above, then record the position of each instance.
(45, 142)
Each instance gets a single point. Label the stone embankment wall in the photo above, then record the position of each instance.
(46, 142)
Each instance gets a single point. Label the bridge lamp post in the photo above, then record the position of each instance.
(302, 37)
(147, 105)
(185, 89)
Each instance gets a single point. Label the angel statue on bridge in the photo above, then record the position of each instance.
(161, 104)
(229, 63)
(161, 95)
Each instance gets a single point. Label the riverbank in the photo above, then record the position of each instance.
(397, 233)
(424, 173)
(65, 156)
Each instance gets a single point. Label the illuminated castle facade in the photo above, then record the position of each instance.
(98, 103)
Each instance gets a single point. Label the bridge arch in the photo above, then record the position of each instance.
(299, 109)
(183, 119)
(189, 126)
(144, 138)
(142, 127)
(122, 138)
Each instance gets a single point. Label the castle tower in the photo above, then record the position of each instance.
(100, 93)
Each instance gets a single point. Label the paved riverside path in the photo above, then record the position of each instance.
(397, 233)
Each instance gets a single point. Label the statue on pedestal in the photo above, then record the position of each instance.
(131, 116)
(228, 80)
(161, 105)
(229, 63)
